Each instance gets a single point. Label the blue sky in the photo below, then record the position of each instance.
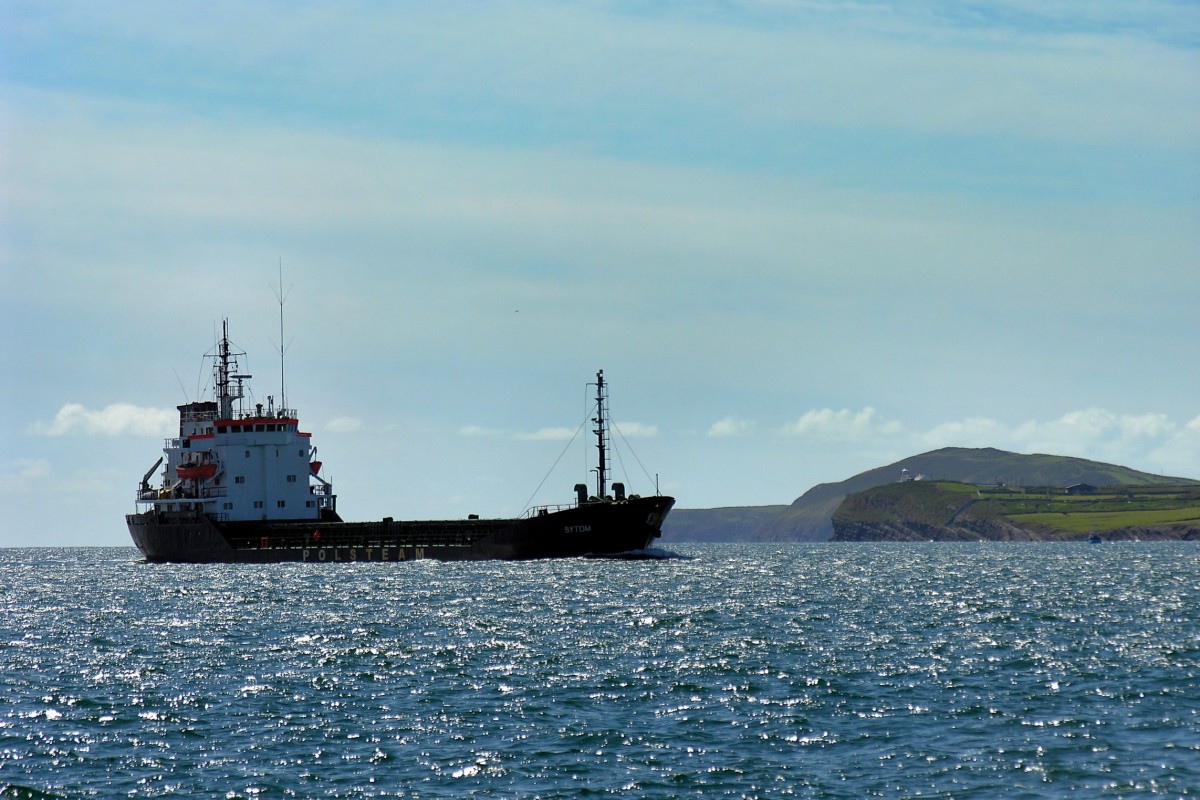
(802, 239)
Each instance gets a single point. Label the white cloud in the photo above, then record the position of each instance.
(21, 474)
(1098, 432)
(118, 419)
(477, 430)
(971, 432)
(843, 425)
(35, 475)
(1149, 441)
(635, 430)
(548, 435)
(1177, 454)
(344, 425)
(731, 426)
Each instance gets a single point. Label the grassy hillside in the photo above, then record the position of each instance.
(1114, 509)
(950, 510)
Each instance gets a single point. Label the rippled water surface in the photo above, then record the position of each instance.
(833, 670)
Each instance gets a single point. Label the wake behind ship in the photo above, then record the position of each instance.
(244, 486)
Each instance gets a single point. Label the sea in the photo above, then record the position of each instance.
(944, 670)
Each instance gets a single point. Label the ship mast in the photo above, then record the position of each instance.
(601, 432)
(225, 375)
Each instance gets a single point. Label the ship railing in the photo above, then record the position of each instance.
(321, 490)
(541, 511)
(275, 413)
(215, 491)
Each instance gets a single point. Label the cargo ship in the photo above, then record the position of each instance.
(244, 485)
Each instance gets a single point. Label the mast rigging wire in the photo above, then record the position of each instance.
(560, 457)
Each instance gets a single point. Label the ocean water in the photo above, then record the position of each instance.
(812, 671)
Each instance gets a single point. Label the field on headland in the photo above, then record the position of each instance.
(948, 510)
(1108, 509)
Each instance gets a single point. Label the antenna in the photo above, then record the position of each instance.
(281, 296)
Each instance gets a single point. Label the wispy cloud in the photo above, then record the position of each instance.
(21, 474)
(478, 430)
(1148, 441)
(843, 425)
(548, 435)
(636, 430)
(118, 419)
(1094, 430)
(344, 425)
(731, 426)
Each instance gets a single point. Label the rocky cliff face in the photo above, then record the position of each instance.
(907, 530)
(1188, 533)
(991, 530)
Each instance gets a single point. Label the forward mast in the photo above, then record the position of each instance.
(601, 431)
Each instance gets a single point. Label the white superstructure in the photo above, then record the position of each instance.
(235, 465)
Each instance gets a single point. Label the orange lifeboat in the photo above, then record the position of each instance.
(198, 472)
(315, 466)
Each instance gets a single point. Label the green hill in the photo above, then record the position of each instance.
(810, 517)
(949, 511)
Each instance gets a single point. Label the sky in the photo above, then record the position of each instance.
(802, 239)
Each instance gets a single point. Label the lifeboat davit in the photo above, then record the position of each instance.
(196, 471)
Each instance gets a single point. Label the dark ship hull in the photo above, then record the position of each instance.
(593, 529)
(245, 486)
